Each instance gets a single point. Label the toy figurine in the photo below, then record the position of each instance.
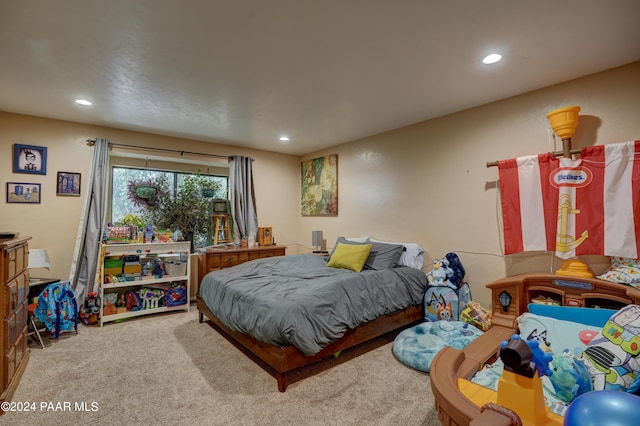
(440, 273)
(91, 310)
(150, 297)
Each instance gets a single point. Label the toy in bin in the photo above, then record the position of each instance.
(176, 295)
(151, 297)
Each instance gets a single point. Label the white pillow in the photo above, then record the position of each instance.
(357, 239)
(412, 256)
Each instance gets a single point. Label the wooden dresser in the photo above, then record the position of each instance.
(14, 259)
(212, 259)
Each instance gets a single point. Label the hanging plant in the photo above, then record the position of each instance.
(144, 193)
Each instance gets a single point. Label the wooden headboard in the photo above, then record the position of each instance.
(563, 290)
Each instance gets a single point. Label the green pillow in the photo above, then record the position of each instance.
(350, 256)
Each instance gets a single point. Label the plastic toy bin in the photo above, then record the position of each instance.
(175, 268)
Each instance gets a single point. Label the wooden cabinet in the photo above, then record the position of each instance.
(14, 260)
(212, 259)
(174, 254)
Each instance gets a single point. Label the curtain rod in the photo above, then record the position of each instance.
(555, 154)
(92, 142)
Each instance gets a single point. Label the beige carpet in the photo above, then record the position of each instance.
(170, 369)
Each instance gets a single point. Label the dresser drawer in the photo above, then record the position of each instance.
(213, 262)
(13, 356)
(15, 292)
(9, 365)
(10, 332)
(233, 259)
(265, 253)
(214, 259)
(15, 327)
(10, 298)
(17, 258)
(225, 260)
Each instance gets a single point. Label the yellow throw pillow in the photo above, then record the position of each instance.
(350, 256)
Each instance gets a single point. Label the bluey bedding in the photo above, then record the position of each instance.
(603, 354)
(298, 300)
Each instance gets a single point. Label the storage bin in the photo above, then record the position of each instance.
(175, 268)
(176, 295)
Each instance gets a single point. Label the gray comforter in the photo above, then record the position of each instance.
(298, 300)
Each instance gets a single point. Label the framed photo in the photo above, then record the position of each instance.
(23, 192)
(29, 159)
(320, 186)
(68, 184)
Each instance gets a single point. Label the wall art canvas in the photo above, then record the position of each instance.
(320, 186)
(29, 159)
(68, 184)
(23, 192)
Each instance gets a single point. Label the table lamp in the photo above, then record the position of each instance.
(317, 240)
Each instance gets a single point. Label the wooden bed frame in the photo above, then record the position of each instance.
(283, 362)
(450, 364)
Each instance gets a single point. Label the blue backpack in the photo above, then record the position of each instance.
(57, 308)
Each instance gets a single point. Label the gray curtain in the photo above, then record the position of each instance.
(85, 258)
(243, 202)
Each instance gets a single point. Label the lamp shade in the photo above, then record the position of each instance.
(39, 258)
(316, 238)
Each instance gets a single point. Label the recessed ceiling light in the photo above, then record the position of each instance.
(491, 59)
(284, 138)
(83, 102)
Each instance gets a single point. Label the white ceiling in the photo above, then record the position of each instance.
(323, 72)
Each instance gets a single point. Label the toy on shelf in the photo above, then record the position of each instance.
(151, 297)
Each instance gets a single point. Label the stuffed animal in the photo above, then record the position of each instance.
(456, 279)
(440, 273)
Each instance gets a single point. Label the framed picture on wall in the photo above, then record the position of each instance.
(29, 159)
(320, 186)
(68, 184)
(23, 192)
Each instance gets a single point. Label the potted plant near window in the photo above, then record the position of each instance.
(145, 193)
(188, 210)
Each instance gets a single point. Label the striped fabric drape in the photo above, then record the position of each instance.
(573, 207)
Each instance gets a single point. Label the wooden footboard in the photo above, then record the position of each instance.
(282, 362)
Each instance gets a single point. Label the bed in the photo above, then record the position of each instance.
(510, 298)
(289, 312)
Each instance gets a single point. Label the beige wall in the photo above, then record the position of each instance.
(425, 183)
(428, 183)
(53, 224)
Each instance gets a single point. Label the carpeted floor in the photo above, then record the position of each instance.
(170, 369)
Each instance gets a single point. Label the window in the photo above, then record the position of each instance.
(122, 205)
